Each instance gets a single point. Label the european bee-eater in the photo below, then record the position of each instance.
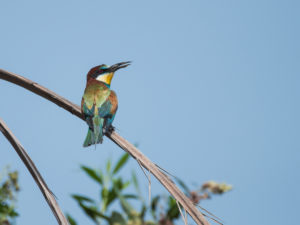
(99, 103)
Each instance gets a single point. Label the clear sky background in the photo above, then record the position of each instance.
(213, 93)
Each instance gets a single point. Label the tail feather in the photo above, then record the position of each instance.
(91, 140)
(95, 136)
(98, 129)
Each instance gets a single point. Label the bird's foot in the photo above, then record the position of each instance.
(109, 130)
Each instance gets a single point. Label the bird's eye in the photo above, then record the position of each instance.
(104, 70)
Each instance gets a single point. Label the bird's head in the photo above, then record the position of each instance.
(105, 73)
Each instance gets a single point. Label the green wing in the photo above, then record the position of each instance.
(95, 95)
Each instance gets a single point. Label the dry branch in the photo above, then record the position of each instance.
(186, 203)
(34, 173)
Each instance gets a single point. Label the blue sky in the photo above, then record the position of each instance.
(213, 92)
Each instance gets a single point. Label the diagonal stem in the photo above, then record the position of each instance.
(186, 203)
(48, 195)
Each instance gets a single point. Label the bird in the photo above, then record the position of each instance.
(99, 103)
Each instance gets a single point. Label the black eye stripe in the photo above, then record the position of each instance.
(99, 72)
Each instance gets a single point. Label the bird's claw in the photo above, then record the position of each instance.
(109, 130)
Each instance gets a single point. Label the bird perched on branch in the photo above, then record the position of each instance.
(99, 103)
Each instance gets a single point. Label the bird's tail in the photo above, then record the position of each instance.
(96, 136)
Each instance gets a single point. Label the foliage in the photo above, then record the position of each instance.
(8, 190)
(162, 210)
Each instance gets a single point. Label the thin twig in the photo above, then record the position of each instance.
(166, 171)
(142, 168)
(115, 137)
(217, 218)
(183, 218)
(212, 219)
(48, 195)
(149, 180)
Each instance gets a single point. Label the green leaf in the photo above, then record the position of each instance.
(71, 220)
(137, 188)
(117, 218)
(118, 183)
(93, 213)
(108, 165)
(93, 174)
(81, 198)
(88, 211)
(111, 197)
(125, 185)
(121, 163)
(135, 182)
(125, 204)
(154, 203)
(104, 195)
(13, 213)
(143, 212)
(130, 196)
(173, 211)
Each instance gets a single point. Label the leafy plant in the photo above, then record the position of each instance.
(163, 210)
(8, 190)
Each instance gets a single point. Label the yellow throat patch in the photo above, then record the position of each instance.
(106, 78)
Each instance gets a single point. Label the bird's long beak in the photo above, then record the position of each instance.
(120, 65)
